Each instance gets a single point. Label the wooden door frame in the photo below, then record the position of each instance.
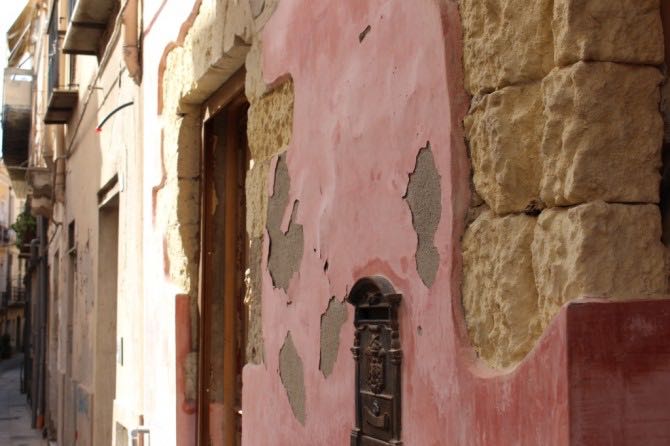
(228, 99)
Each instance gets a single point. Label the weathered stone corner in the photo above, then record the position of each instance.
(598, 250)
(603, 134)
(626, 31)
(565, 113)
(505, 133)
(499, 294)
(506, 42)
(270, 124)
(257, 198)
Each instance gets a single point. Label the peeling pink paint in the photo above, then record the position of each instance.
(362, 112)
(186, 408)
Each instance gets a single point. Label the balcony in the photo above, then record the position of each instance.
(87, 25)
(62, 98)
(16, 120)
(39, 180)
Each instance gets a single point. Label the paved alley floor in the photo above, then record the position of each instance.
(14, 411)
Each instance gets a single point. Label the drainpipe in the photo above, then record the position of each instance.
(42, 279)
(59, 167)
(131, 53)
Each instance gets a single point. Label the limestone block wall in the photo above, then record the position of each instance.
(565, 137)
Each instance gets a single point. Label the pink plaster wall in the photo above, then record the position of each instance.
(362, 112)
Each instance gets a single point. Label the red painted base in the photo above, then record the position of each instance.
(599, 376)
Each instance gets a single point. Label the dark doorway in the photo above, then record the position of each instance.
(106, 322)
(223, 322)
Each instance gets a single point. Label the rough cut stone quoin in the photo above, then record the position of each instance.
(603, 134)
(505, 42)
(505, 133)
(499, 294)
(626, 31)
(270, 124)
(598, 250)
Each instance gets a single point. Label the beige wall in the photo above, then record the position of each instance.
(93, 160)
(187, 63)
(10, 271)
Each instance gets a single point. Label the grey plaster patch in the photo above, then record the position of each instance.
(285, 248)
(253, 302)
(331, 324)
(424, 197)
(293, 377)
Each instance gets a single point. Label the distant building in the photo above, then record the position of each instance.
(12, 266)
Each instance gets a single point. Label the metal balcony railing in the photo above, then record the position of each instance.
(18, 295)
(16, 115)
(87, 25)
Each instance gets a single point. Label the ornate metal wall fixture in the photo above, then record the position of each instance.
(378, 359)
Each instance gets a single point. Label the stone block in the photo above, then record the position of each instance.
(257, 198)
(505, 42)
(505, 133)
(626, 31)
(270, 123)
(499, 294)
(603, 134)
(598, 250)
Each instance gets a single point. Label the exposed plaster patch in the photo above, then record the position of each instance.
(255, 349)
(331, 324)
(424, 197)
(293, 377)
(285, 248)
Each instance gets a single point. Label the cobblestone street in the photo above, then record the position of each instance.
(14, 411)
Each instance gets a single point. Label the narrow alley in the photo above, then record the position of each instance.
(14, 410)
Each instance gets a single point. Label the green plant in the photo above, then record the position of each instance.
(24, 227)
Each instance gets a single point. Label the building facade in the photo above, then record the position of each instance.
(278, 222)
(12, 268)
